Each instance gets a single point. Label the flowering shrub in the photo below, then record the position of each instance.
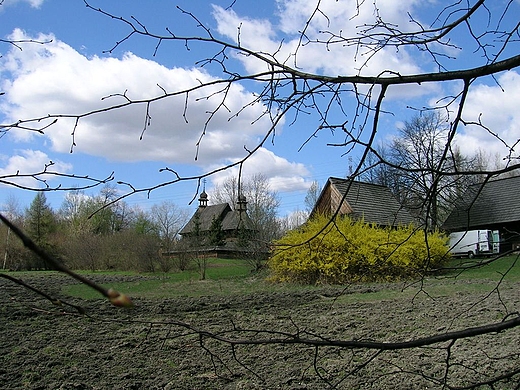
(349, 251)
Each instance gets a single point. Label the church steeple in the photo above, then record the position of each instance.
(203, 198)
(241, 203)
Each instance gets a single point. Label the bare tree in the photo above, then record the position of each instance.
(13, 253)
(419, 149)
(262, 203)
(414, 166)
(168, 220)
(294, 219)
(74, 212)
(227, 192)
(312, 196)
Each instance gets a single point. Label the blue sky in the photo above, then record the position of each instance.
(74, 72)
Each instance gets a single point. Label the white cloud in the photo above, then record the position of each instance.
(283, 175)
(56, 79)
(496, 106)
(28, 162)
(340, 17)
(32, 3)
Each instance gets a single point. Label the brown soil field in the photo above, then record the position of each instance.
(166, 344)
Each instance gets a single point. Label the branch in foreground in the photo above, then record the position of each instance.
(115, 297)
(41, 178)
(276, 337)
(54, 301)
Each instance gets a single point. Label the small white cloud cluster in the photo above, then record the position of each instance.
(32, 3)
(496, 107)
(29, 162)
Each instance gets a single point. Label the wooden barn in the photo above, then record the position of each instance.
(374, 203)
(493, 205)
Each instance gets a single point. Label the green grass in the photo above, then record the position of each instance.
(492, 269)
(223, 276)
(172, 285)
(234, 277)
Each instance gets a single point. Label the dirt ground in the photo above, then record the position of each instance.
(149, 347)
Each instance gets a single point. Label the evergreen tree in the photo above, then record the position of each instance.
(216, 234)
(196, 235)
(40, 219)
(40, 224)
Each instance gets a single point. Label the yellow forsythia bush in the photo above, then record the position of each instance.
(353, 251)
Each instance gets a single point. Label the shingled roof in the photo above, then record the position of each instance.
(231, 219)
(374, 203)
(495, 202)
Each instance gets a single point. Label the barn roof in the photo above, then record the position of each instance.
(490, 203)
(372, 202)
